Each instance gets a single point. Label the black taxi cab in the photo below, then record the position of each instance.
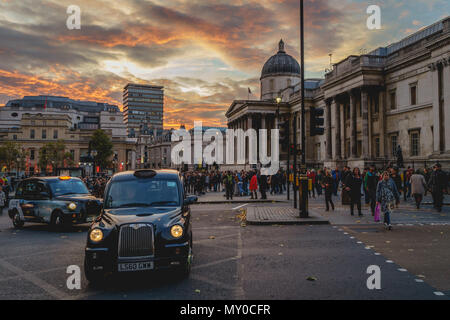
(145, 224)
(58, 201)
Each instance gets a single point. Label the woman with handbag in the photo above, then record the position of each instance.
(387, 197)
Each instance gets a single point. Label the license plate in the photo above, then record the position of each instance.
(136, 266)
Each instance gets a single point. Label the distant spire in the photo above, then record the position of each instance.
(281, 46)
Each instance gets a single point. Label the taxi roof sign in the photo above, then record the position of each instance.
(65, 178)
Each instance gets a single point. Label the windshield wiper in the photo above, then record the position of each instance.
(134, 205)
(163, 203)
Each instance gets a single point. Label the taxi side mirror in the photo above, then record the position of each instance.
(190, 200)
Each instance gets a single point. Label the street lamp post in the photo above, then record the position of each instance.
(303, 177)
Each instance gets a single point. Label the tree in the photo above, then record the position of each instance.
(52, 153)
(9, 152)
(101, 142)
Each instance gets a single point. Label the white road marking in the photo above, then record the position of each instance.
(377, 253)
(402, 270)
(51, 290)
(245, 204)
(418, 280)
(438, 293)
(389, 261)
(358, 242)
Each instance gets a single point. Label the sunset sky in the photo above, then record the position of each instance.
(205, 53)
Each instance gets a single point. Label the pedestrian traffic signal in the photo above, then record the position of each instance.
(284, 135)
(316, 122)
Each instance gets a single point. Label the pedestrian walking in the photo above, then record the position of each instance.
(387, 197)
(328, 186)
(228, 182)
(438, 184)
(2, 200)
(254, 186)
(418, 186)
(353, 185)
(370, 185)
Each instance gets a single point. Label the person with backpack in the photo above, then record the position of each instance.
(228, 182)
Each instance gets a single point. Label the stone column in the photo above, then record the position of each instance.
(353, 136)
(436, 108)
(446, 102)
(338, 129)
(263, 121)
(382, 121)
(365, 123)
(328, 129)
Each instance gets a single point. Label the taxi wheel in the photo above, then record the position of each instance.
(57, 222)
(185, 269)
(16, 221)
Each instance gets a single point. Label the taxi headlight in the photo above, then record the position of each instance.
(72, 206)
(96, 235)
(176, 231)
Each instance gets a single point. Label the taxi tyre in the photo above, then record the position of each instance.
(16, 220)
(58, 221)
(185, 269)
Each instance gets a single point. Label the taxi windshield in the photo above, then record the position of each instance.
(71, 186)
(142, 193)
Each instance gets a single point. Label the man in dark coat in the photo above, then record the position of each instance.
(353, 184)
(438, 184)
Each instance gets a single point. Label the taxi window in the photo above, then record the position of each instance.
(143, 192)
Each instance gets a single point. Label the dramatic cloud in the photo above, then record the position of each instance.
(204, 53)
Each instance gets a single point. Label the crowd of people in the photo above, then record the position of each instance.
(381, 189)
(235, 183)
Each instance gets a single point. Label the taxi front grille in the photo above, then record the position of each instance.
(136, 240)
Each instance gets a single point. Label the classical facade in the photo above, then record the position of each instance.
(397, 95)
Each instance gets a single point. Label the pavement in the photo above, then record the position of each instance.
(280, 215)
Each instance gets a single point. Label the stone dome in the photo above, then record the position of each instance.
(280, 63)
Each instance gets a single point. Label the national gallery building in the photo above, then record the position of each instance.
(397, 95)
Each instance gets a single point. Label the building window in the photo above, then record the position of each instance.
(14, 136)
(31, 154)
(393, 99)
(272, 85)
(72, 154)
(32, 133)
(359, 148)
(394, 139)
(376, 144)
(55, 134)
(44, 134)
(414, 143)
(413, 93)
(318, 151)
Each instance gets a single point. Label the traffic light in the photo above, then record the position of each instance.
(316, 122)
(284, 135)
(292, 148)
